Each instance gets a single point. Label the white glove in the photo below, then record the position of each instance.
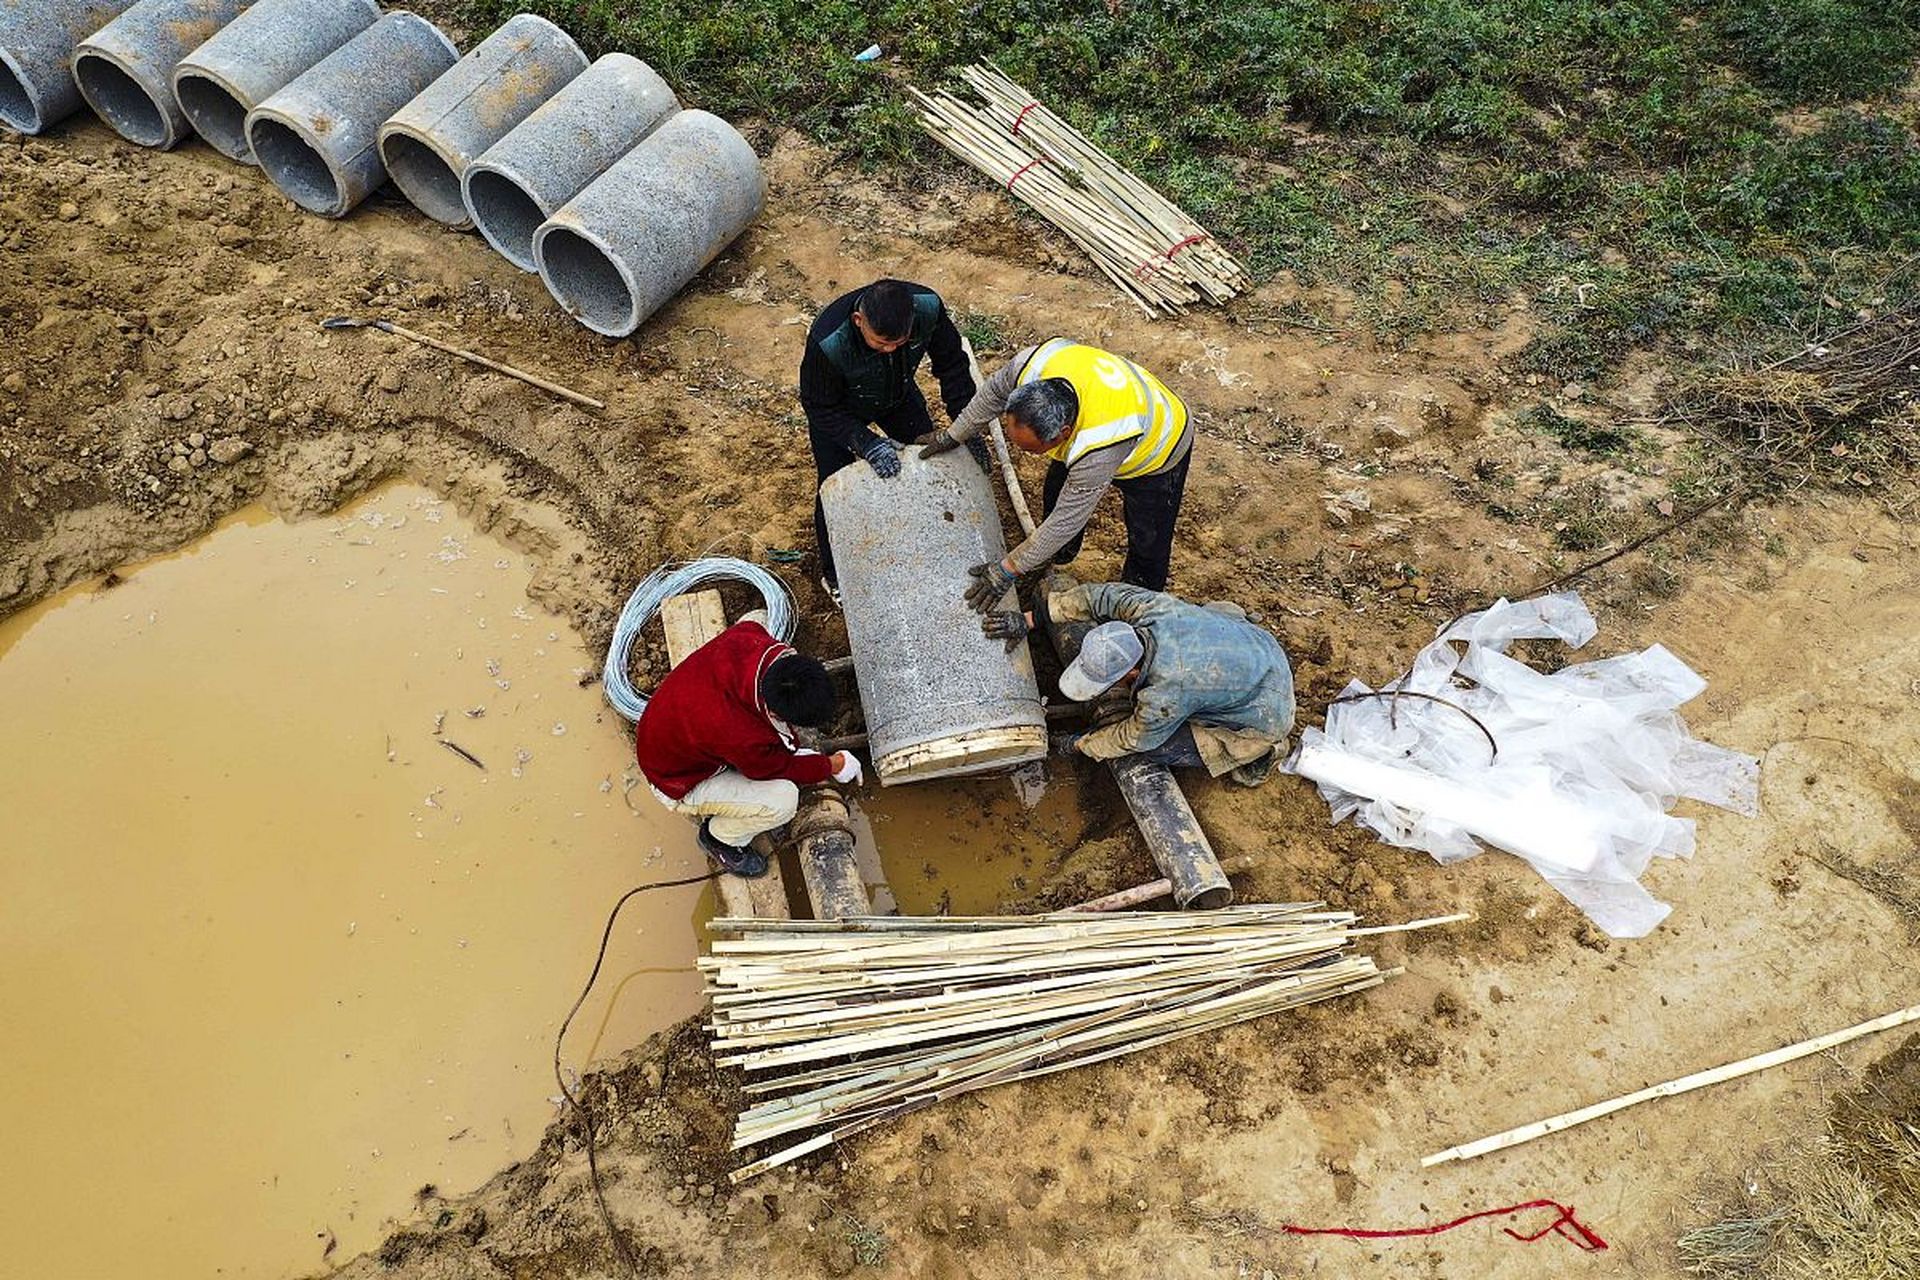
(851, 770)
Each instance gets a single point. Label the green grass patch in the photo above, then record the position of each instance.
(1600, 439)
(1647, 169)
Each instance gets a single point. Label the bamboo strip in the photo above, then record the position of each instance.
(1685, 1084)
(1150, 248)
(851, 1024)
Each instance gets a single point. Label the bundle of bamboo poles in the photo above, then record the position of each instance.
(862, 1021)
(1143, 242)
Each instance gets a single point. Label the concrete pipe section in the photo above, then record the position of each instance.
(254, 57)
(37, 39)
(430, 143)
(940, 697)
(318, 138)
(125, 69)
(621, 248)
(550, 157)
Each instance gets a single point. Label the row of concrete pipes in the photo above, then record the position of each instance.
(591, 175)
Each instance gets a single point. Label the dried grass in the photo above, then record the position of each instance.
(1848, 1209)
(1843, 411)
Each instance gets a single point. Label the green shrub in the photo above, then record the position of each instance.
(1822, 50)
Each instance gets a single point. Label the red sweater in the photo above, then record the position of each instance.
(707, 716)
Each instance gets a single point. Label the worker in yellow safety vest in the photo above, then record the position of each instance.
(1102, 420)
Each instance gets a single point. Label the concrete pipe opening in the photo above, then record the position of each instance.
(506, 215)
(587, 281)
(426, 177)
(296, 166)
(117, 98)
(215, 114)
(18, 110)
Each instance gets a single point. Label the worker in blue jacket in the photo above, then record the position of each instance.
(858, 375)
(1200, 686)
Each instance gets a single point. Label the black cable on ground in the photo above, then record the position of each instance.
(621, 1249)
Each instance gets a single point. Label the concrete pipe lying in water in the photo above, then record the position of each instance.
(428, 145)
(254, 57)
(550, 157)
(318, 138)
(615, 253)
(939, 696)
(125, 69)
(36, 57)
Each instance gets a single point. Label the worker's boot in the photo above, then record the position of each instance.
(745, 863)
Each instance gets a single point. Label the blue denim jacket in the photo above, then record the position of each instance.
(1203, 664)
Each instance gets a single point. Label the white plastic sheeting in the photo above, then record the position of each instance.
(1590, 759)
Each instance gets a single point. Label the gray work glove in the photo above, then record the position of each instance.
(1011, 627)
(978, 448)
(991, 582)
(934, 443)
(883, 455)
(1063, 742)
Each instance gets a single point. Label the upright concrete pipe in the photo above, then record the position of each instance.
(428, 145)
(549, 158)
(125, 69)
(824, 846)
(940, 698)
(615, 253)
(37, 39)
(255, 56)
(318, 138)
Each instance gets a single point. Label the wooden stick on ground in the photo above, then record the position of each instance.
(1121, 899)
(1698, 1080)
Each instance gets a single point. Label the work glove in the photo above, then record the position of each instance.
(1011, 627)
(991, 582)
(847, 768)
(883, 455)
(1064, 743)
(934, 443)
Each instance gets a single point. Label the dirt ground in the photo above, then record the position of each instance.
(162, 363)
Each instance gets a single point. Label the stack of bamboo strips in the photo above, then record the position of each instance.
(1143, 242)
(871, 1018)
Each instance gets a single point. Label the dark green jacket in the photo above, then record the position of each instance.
(845, 384)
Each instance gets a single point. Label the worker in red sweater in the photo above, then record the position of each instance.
(716, 740)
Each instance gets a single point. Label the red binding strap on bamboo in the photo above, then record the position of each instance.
(1195, 238)
(1566, 1226)
(1021, 118)
(1021, 171)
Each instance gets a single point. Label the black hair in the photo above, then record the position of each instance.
(888, 307)
(798, 690)
(1047, 407)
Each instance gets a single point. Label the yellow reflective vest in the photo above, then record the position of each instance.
(1118, 401)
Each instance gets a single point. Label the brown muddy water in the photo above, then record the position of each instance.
(965, 846)
(276, 957)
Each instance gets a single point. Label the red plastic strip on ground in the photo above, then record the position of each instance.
(1566, 1226)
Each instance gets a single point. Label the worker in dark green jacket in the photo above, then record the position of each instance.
(858, 374)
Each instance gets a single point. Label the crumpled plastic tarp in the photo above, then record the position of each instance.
(1590, 759)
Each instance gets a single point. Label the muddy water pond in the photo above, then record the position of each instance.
(276, 955)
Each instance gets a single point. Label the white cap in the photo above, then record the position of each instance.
(1110, 651)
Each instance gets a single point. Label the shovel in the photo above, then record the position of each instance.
(387, 326)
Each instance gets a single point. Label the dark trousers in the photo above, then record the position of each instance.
(905, 422)
(1150, 505)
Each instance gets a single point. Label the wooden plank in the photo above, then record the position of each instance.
(690, 621)
(1685, 1084)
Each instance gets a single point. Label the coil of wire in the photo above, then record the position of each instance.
(675, 579)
